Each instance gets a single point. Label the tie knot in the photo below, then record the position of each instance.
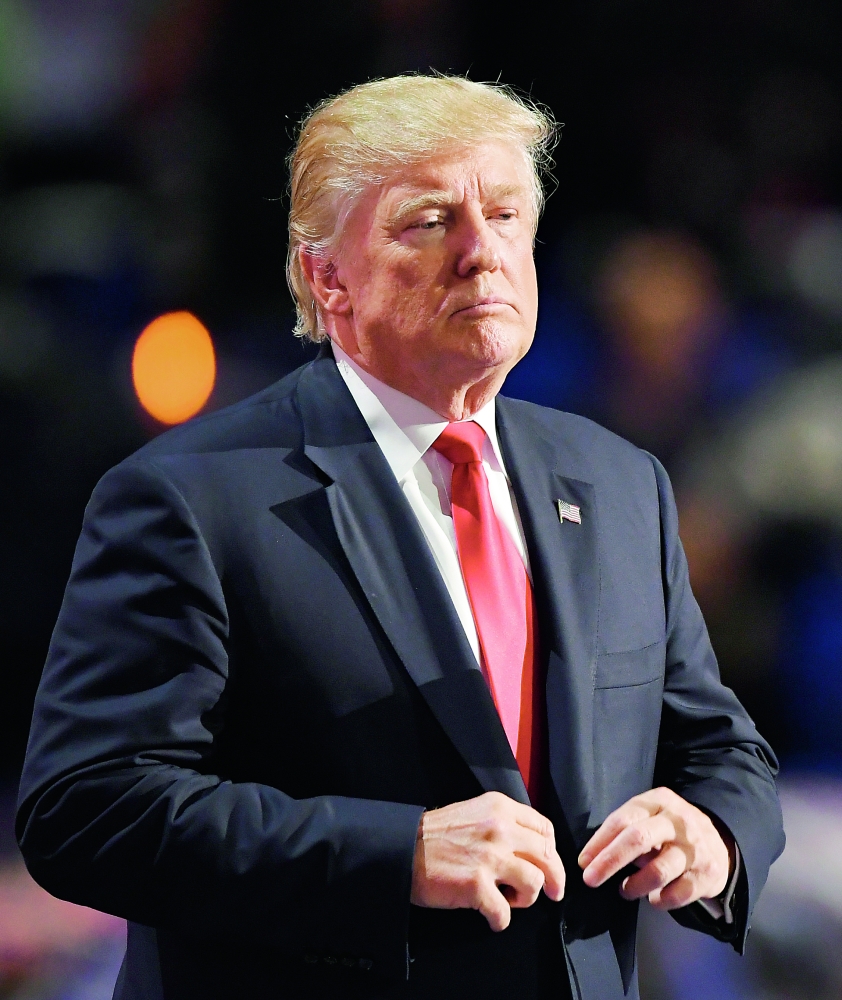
(461, 443)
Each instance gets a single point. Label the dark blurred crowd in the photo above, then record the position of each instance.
(690, 264)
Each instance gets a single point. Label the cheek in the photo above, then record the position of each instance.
(413, 295)
(528, 278)
(404, 307)
(394, 310)
(530, 313)
(397, 285)
(519, 267)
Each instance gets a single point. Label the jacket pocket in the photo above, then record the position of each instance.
(627, 716)
(632, 667)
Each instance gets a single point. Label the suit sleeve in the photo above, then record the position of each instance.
(120, 808)
(709, 750)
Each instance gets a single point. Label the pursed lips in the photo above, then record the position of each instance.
(482, 304)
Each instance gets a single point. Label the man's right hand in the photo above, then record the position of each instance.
(488, 854)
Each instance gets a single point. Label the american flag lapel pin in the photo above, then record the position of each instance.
(569, 512)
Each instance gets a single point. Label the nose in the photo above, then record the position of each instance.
(477, 251)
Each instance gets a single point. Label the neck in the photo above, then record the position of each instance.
(461, 402)
(453, 399)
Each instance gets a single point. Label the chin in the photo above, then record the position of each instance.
(495, 346)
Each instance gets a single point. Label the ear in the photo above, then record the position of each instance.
(330, 294)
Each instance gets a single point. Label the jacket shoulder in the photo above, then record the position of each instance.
(592, 452)
(267, 419)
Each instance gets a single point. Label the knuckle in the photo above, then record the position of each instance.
(497, 801)
(683, 892)
(658, 871)
(696, 853)
(488, 826)
(663, 870)
(637, 836)
(535, 881)
(714, 872)
(497, 827)
(530, 896)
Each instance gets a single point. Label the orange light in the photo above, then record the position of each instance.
(173, 367)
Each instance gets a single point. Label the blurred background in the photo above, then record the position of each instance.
(690, 264)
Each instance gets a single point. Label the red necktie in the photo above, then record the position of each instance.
(500, 594)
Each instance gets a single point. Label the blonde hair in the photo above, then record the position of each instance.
(352, 142)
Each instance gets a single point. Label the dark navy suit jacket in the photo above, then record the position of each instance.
(258, 682)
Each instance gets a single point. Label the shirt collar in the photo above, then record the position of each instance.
(405, 428)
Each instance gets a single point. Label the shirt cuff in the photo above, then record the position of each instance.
(720, 907)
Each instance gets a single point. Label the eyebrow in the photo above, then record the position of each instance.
(437, 199)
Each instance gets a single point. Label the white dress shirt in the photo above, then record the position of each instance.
(405, 429)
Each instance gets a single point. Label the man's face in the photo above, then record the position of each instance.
(437, 272)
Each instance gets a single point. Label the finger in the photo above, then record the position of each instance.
(493, 905)
(542, 853)
(665, 867)
(646, 804)
(644, 859)
(512, 821)
(545, 854)
(531, 819)
(614, 824)
(520, 882)
(680, 892)
(632, 842)
(636, 841)
(555, 880)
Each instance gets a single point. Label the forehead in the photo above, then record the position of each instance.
(483, 171)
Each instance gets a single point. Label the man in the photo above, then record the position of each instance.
(360, 688)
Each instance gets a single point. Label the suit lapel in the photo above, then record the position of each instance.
(565, 566)
(389, 555)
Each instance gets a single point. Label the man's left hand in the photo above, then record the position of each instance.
(681, 855)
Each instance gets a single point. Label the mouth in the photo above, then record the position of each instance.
(483, 307)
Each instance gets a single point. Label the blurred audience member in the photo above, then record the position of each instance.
(668, 355)
(658, 295)
(762, 520)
